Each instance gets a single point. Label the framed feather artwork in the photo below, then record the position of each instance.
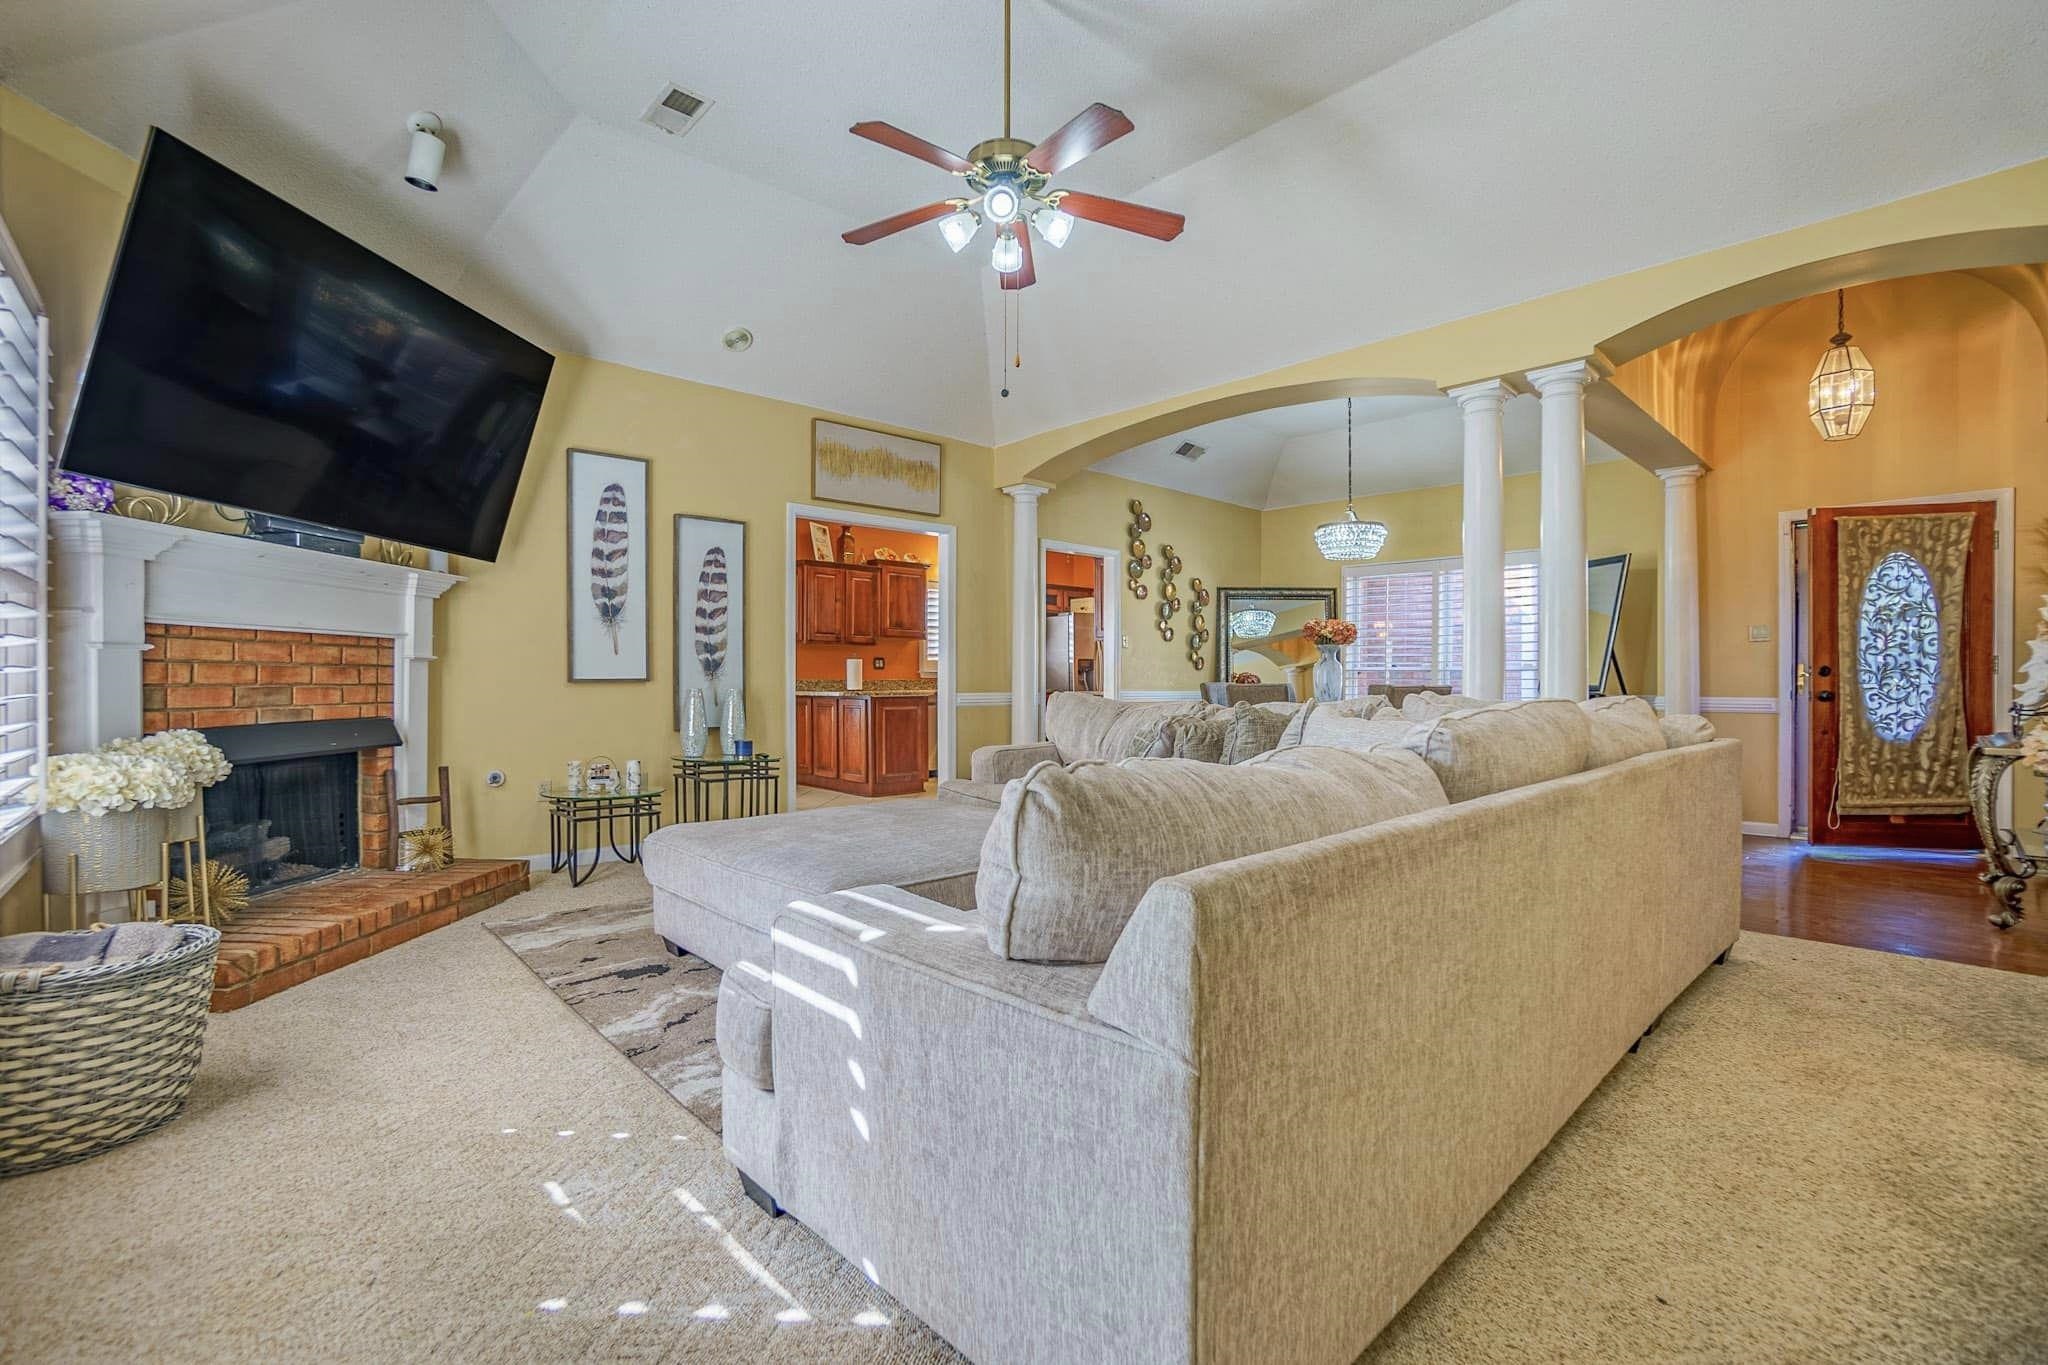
(711, 620)
(609, 599)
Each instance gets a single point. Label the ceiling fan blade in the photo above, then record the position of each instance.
(1024, 276)
(890, 135)
(874, 232)
(1118, 214)
(1088, 131)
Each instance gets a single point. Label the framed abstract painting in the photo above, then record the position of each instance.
(711, 619)
(874, 468)
(609, 599)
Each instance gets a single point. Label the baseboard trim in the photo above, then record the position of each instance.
(1766, 829)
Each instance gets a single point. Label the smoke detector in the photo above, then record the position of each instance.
(738, 339)
(1188, 450)
(675, 110)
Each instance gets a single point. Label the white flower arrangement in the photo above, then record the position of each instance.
(186, 750)
(96, 784)
(158, 772)
(2033, 690)
(2034, 748)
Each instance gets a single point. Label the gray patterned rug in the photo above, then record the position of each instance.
(608, 965)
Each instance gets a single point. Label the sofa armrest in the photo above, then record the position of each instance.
(963, 1128)
(998, 763)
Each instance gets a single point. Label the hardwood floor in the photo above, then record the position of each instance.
(1922, 904)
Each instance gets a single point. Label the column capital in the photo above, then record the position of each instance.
(1487, 393)
(1685, 473)
(1027, 492)
(1572, 374)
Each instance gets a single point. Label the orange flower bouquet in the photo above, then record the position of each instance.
(1330, 631)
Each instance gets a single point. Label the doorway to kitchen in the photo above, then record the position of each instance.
(870, 656)
(1083, 622)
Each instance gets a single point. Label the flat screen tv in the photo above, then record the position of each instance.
(251, 356)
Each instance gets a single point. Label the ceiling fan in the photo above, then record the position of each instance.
(1010, 179)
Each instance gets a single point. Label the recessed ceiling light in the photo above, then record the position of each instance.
(738, 339)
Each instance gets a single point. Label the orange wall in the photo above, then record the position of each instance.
(902, 658)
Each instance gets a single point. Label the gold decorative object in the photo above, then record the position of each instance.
(425, 850)
(1166, 632)
(391, 552)
(1135, 569)
(223, 893)
(1137, 546)
(1140, 590)
(166, 508)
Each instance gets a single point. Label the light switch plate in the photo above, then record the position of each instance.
(1759, 635)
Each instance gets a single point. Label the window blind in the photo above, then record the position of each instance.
(1411, 625)
(931, 620)
(24, 455)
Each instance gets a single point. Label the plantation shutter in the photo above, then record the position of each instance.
(24, 453)
(931, 620)
(1411, 625)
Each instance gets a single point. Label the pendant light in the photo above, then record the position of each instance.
(1350, 538)
(1843, 389)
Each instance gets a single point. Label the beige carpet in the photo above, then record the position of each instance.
(1823, 1154)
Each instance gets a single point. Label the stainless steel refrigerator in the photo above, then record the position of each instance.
(1059, 652)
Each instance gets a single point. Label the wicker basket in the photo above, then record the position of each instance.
(94, 1058)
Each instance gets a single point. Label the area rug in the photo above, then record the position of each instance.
(606, 963)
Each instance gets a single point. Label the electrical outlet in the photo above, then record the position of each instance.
(881, 664)
(495, 778)
(1759, 635)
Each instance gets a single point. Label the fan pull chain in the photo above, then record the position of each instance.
(1005, 299)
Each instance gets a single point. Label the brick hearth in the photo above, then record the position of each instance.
(299, 932)
(203, 676)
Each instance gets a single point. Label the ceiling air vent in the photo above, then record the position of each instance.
(676, 110)
(1188, 450)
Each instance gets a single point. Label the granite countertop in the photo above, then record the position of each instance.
(875, 687)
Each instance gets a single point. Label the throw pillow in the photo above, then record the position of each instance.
(1252, 729)
(1201, 738)
(1073, 850)
(1148, 742)
(1682, 730)
(1360, 708)
(1324, 730)
(1428, 705)
(1291, 736)
(1619, 728)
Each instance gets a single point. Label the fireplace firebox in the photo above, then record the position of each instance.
(292, 809)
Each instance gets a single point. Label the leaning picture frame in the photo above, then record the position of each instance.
(609, 589)
(711, 611)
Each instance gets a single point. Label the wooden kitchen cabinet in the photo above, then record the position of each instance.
(903, 589)
(838, 604)
(863, 605)
(870, 744)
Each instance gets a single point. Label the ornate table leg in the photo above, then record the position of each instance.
(2006, 868)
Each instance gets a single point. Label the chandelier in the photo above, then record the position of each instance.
(1350, 538)
(1253, 623)
(1843, 389)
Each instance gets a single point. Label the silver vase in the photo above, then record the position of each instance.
(696, 732)
(732, 720)
(118, 851)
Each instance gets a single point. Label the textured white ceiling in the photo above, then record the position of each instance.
(1285, 457)
(1350, 170)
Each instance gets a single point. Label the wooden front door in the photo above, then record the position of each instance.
(1904, 620)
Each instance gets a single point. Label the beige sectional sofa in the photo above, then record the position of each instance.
(1309, 1017)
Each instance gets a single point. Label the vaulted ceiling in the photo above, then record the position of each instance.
(1350, 169)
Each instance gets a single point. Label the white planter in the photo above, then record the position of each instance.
(118, 851)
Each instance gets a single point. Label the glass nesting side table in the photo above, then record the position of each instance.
(604, 814)
(756, 778)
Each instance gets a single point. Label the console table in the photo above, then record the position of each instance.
(2012, 857)
(571, 811)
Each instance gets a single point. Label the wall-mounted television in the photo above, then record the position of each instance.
(252, 356)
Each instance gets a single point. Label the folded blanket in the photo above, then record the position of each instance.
(27, 959)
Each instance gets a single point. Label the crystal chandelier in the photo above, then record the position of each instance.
(1350, 538)
(1253, 623)
(1843, 389)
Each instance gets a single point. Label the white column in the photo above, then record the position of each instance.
(1561, 652)
(1027, 613)
(1679, 573)
(1485, 541)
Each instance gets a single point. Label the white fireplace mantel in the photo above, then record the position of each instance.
(109, 574)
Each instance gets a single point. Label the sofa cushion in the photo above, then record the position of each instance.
(1393, 775)
(718, 884)
(745, 1025)
(1328, 730)
(1082, 725)
(1681, 731)
(1074, 849)
(1426, 705)
(1500, 747)
(1254, 730)
(1619, 728)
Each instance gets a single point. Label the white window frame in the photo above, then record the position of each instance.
(1448, 625)
(24, 574)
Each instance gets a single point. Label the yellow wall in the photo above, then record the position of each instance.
(1624, 515)
(1961, 370)
(1218, 542)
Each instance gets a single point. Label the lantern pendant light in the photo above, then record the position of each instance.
(1350, 538)
(1843, 389)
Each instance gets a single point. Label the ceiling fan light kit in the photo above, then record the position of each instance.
(1011, 182)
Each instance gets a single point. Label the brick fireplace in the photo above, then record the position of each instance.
(204, 677)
